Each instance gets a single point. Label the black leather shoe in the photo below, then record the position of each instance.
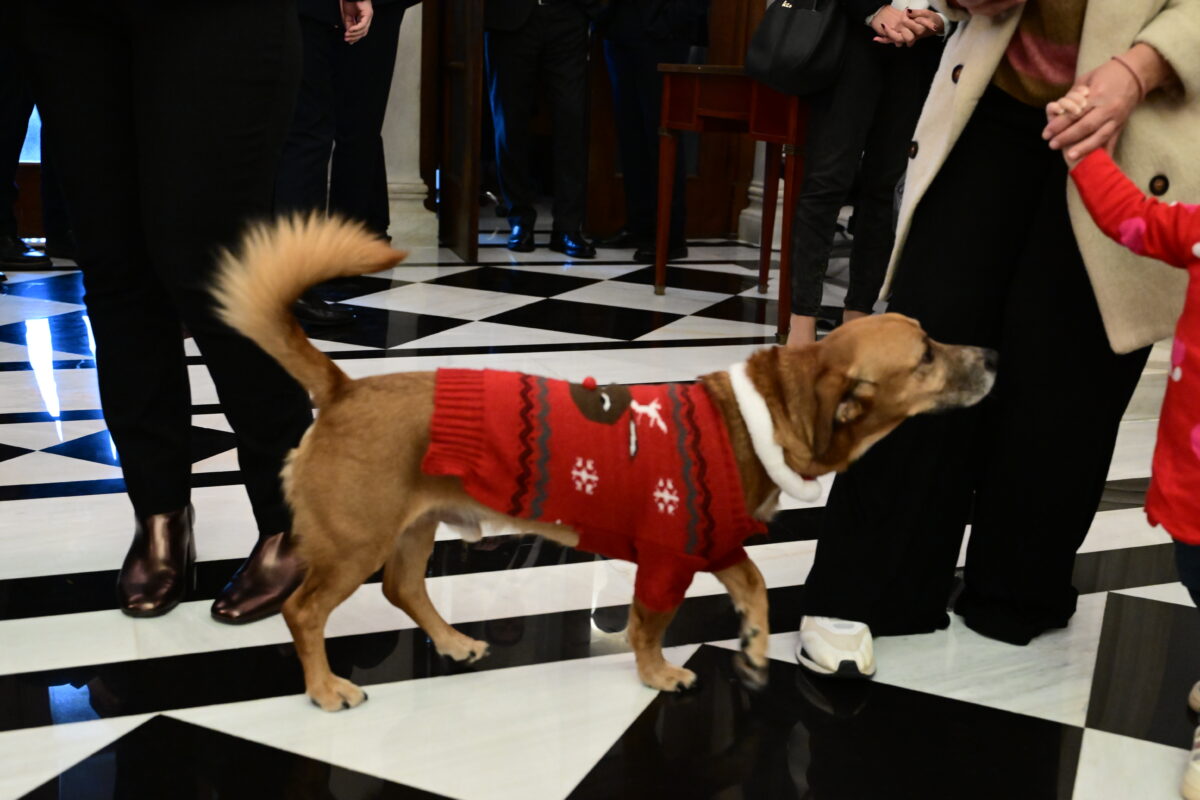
(625, 239)
(160, 566)
(572, 244)
(645, 255)
(16, 254)
(312, 310)
(262, 583)
(520, 240)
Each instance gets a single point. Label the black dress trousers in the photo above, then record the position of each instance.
(167, 131)
(528, 44)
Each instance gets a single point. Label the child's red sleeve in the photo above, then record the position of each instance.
(1170, 233)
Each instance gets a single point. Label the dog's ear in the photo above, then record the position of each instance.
(839, 401)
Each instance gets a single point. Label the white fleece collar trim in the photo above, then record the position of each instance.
(762, 436)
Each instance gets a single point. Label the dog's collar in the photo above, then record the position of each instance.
(762, 437)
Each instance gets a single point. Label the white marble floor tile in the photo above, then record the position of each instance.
(1164, 592)
(636, 295)
(217, 422)
(21, 276)
(585, 269)
(707, 328)
(30, 757)
(1113, 767)
(492, 334)
(221, 462)
(1135, 449)
(101, 636)
(16, 308)
(542, 255)
(51, 391)
(50, 468)
(1125, 527)
(62, 535)
(532, 733)
(40, 435)
(417, 274)
(447, 301)
(17, 352)
(1051, 678)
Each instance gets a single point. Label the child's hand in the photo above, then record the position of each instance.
(1074, 104)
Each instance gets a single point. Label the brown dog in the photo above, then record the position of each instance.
(361, 499)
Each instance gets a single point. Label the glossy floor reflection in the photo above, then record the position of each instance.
(94, 704)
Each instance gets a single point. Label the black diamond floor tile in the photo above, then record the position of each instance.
(514, 281)
(61, 288)
(744, 309)
(378, 327)
(98, 447)
(811, 739)
(340, 289)
(700, 279)
(167, 758)
(589, 319)
(1149, 658)
(68, 333)
(8, 451)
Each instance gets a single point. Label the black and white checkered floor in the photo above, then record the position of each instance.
(94, 704)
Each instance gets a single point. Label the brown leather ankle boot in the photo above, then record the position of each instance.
(259, 587)
(160, 565)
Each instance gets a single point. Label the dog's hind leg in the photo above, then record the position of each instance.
(326, 584)
(646, 629)
(746, 587)
(404, 586)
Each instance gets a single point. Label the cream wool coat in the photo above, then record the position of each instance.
(1139, 298)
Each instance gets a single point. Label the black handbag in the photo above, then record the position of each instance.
(797, 48)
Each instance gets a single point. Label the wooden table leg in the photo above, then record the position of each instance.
(792, 171)
(668, 143)
(769, 202)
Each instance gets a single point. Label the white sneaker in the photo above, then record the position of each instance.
(839, 647)
(1194, 698)
(1190, 788)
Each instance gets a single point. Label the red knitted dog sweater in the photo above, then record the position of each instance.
(642, 473)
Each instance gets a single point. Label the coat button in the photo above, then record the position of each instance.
(955, 73)
(913, 148)
(1159, 185)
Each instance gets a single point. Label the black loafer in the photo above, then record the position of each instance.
(572, 244)
(312, 310)
(625, 239)
(520, 240)
(16, 254)
(645, 255)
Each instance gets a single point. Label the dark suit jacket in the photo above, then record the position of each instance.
(511, 15)
(636, 21)
(330, 11)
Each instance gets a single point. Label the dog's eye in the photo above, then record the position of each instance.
(928, 357)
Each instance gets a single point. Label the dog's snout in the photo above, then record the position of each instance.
(991, 359)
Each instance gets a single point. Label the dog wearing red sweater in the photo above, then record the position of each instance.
(672, 477)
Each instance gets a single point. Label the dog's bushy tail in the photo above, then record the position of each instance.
(257, 285)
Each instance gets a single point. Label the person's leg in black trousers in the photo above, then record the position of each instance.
(885, 157)
(564, 31)
(976, 274)
(512, 70)
(1028, 522)
(155, 188)
(894, 521)
(840, 119)
(303, 181)
(358, 176)
(637, 101)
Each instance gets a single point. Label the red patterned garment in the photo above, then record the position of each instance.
(1170, 233)
(643, 473)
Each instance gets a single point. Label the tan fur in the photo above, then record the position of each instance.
(360, 500)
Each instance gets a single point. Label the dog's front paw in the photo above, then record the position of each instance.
(336, 694)
(463, 648)
(670, 678)
(753, 676)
